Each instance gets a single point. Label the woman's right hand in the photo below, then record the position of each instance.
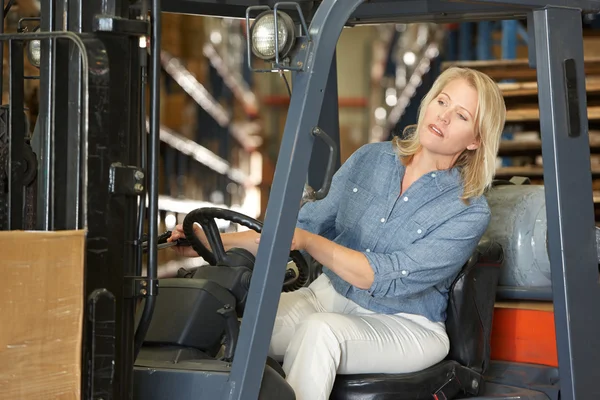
(187, 251)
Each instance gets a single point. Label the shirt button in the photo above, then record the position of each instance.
(382, 220)
(404, 272)
(355, 190)
(405, 198)
(433, 175)
(368, 250)
(419, 231)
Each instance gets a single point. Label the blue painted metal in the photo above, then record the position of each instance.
(509, 39)
(484, 40)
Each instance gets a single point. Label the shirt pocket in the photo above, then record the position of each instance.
(414, 230)
(403, 237)
(356, 199)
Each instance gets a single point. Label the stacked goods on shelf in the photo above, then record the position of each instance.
(520, 150)
(209, 138)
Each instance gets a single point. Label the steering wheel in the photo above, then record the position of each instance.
(206, 218)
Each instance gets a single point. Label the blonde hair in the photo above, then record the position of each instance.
(477, 167)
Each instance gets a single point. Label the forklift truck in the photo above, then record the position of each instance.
(110, 163)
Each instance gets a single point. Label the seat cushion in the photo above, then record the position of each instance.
(412, 386)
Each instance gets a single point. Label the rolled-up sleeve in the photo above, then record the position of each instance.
(430, 260)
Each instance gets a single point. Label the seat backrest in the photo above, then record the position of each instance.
(471, 307)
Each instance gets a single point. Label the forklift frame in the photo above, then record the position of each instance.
(555, 29)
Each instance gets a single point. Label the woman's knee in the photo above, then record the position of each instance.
(328, 325)
(292, 309)
(292, 306)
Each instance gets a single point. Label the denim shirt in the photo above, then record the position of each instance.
(416, 243)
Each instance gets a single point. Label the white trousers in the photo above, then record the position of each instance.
(319, 333)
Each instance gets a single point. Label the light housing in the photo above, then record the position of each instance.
(262, 35)
(34, 52)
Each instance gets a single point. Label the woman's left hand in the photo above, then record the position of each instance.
(299, 241)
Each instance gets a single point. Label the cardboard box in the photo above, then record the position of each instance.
(41, 304)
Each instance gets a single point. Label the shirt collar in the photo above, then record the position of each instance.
(444, 179)
(448, 178)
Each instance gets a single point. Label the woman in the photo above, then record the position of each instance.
(398, 224)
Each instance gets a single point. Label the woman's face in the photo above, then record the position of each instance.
(448, 126)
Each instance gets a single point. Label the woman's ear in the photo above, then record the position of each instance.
(475, 145)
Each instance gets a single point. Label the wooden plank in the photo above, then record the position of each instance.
(524, 148)
(526, 305)
(520, 89)
(533, 114)
(515, 69)
(517, 147)
(532, 171)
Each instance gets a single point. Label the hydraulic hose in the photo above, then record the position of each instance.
(155, 40)
(143, 147)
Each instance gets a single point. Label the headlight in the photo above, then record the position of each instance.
(34, 52)
(263, 35)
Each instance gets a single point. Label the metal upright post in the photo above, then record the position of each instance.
(74, 139)
(111, 203)
(569, 205)
(282, 211)
(43, 143)
(509, 39)
(484, 40)
(329, 121)
(67, 132)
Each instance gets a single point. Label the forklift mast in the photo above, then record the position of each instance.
(95, 161)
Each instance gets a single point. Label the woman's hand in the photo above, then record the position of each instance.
(187, 251)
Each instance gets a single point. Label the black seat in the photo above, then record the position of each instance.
(468, 324)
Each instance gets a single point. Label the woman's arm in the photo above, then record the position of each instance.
(317, 217)
(350, 265)
(431, 260)
(244, 239)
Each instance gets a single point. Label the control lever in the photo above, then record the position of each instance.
(163, 244)
(232, 331)
(309, 193)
